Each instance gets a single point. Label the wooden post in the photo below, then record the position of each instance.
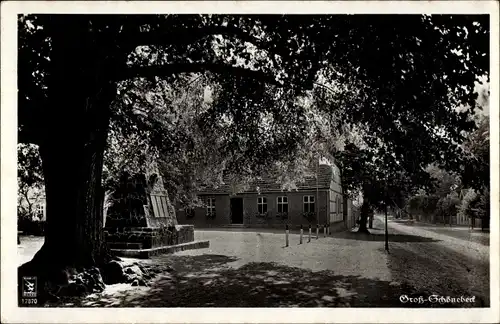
(286, 235)
(317, 231)
(301, 233)
(309, 233)
(328, 229)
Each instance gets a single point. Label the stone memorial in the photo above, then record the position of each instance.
(141, 221)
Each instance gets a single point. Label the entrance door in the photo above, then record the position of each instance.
(237, 210)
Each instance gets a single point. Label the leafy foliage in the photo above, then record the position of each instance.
(439, 57)
(33, 55)
(476, 173)
(468, 201)
(29, 166)
(447, 206)
(444, 183)
(424, 204)
(29, 178)
(402, 114)
(184, 130)
(483, 205)
(284, 89)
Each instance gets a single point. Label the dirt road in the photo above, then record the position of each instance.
(437, 263)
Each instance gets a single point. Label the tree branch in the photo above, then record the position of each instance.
(132, 39)
(321, 85)
(177, 68)
(30, 204)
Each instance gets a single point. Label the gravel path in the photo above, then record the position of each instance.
(460, 232)
(28, 247)
(446, 265)
(243, 269)
(255, 269)
(463, 244)
(337, 254)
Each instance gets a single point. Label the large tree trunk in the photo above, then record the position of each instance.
(72, 150)
(74, 199)
(74, 239)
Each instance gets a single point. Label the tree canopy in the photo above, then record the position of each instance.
(401, 80)
(284, 88)
(398, 89)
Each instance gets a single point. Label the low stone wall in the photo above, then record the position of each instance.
(148, 237)
(147, 253)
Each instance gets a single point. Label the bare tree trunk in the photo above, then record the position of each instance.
(28, 202)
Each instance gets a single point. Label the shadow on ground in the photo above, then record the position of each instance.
(381, 237)
(342, 234)
(446, 273)
(482, 238)
(460, 232)
(207, 281)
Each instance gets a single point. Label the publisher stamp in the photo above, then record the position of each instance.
(29, 288)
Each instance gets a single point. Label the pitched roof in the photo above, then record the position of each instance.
(266, 184)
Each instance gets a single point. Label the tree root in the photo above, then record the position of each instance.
(56, 282)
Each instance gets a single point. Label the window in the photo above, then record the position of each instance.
(39, 209)
(282, 204)
(262, 205)
(308, 204)
(210, 206)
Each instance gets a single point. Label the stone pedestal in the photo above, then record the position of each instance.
(148, 237)
(141, 220)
